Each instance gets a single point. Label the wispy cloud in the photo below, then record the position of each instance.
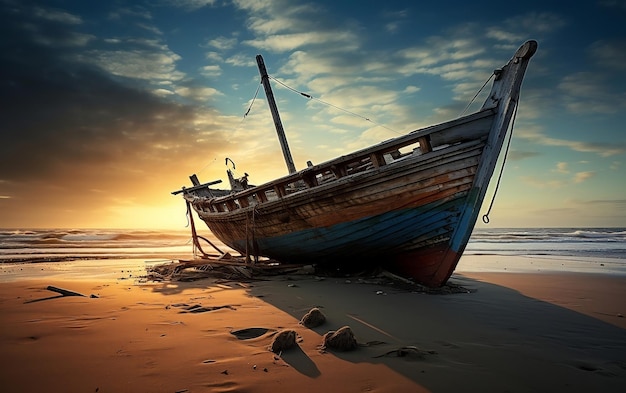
(148, 60)
(517, 155)
(211, 70)
(293, 41)
(191, 4)
(541, 184)
(620, 4)
(582, 176)
(200, 94)
(562, 167)
(135, 12)
(395, 19)
(602, 149)
(587, 92)
(222, 43)
(514, 30)
(57, 16)
(609, 54)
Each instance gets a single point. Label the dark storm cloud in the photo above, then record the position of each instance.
(57, 111)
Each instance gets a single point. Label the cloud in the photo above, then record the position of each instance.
(198, 93)
(618, 204)
(143, 63)
(211, 70)
(82, 124)
(281, 26)
(132, 12)
(289, 42)
(553, 184)
(191, 5)
(241, 60)
(609, 54)
(518, 155)
(396, 20)
(562, 167)
(56, 16)
(587, 92)
(541, 184)
(222, 43)
(582, 176)
(602, 149)
(515, 30)
(269, 17)
(620, 4)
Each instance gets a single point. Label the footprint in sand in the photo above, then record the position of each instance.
(250, 333)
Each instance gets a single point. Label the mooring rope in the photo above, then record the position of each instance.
(195, 236)
(506, 153)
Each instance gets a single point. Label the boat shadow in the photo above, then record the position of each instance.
(488, 327)
(474, 334)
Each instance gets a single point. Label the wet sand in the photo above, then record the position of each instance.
(542, 331)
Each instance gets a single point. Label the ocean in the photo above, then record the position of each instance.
(574, 242)
(50, 245)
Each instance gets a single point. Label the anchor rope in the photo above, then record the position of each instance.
(506, 153)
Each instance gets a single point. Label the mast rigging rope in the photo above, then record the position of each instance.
(309, 96)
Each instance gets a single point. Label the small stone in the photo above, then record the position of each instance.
(283, 340)
(313, 318)
(342, 339)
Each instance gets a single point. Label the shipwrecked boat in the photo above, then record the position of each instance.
(408, 204)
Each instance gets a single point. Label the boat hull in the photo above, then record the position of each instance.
(401, 216)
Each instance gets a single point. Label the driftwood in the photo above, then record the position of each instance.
(61, 291)
(225, 266)
(64, 292)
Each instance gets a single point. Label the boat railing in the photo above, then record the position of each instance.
(418, 142)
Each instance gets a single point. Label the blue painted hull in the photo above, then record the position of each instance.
(369, 237)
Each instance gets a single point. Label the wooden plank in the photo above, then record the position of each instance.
(425, 145)
(377, 159)
(64, 292)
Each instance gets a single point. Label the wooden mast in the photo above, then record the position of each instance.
(274, 109)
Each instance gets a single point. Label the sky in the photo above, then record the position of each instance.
(109, 106)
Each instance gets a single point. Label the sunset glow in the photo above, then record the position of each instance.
(109, 108)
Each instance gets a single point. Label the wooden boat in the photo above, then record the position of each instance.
(409, 203)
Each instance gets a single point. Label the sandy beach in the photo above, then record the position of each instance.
(541, 331)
